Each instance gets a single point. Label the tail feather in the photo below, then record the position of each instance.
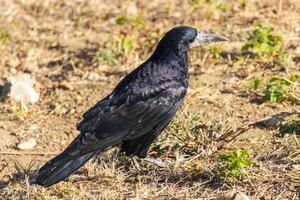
(57, 170)
(77, 154)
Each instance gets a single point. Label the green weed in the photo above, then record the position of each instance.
(134, 21)
(212, 5)
(4, 35)
(115, 48)
(194, 167)
(63, 190)
(284, 59)
(121, 20)
(127, 44)
(279, 89)
(240, 62)
(106, 55)
(235, 162)
(264, 41)
(20, 112)
(216, 51)
(255, 83)
(41, 196)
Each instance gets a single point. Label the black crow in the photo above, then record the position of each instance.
(137, 110)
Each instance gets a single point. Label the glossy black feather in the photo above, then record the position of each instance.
(136, 111)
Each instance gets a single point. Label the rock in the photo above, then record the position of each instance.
(33, 127)
(93, 76)
(132, 9)
(21, 88)
(237, 195)
(27, 145)
(296, 167)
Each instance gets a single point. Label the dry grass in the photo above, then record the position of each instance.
(90, 45)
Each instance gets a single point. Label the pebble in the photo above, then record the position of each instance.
(296, 167)
(33, 127)
(27, 145)
(92, 76)
(237, 195)
(22, 88)
(240, 196)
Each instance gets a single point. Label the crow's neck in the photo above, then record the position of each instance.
(169, 66)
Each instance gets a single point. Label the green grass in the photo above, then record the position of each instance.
(214, 6)
(255, 83)
(235, 162)
(279, 89)
(4, 35)
(128, 44)
(264, 42)
(135, 22)
(276, 88)
(115, 48)
(216, 51)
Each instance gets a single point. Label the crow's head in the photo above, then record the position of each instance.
(181, 38)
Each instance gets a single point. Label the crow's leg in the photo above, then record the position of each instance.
(136, 163)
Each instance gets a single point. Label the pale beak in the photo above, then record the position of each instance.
(204, 38)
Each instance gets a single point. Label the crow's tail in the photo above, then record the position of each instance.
(77, 154)
(60, 168)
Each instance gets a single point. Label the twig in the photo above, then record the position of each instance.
(5, 165)
(294, 92)
(261, 123)
(296, 140)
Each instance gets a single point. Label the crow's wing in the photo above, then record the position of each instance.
(129, 120)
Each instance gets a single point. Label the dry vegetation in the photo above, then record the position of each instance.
(78, 50)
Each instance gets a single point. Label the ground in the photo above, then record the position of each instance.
(79, 50)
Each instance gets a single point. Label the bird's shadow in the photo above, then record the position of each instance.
(291, 127)
(278, 120)
(23, 173)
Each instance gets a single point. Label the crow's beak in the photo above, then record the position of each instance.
(204, 38)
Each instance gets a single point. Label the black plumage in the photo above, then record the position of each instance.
(136, 111)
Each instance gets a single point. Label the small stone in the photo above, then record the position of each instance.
(14, 62)
(240, 196)
(237, 195)
(27, 145)
(72, 111)
(93, 76)
(296, 167)
(33, 127)
(132, 9)
(22, 88)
